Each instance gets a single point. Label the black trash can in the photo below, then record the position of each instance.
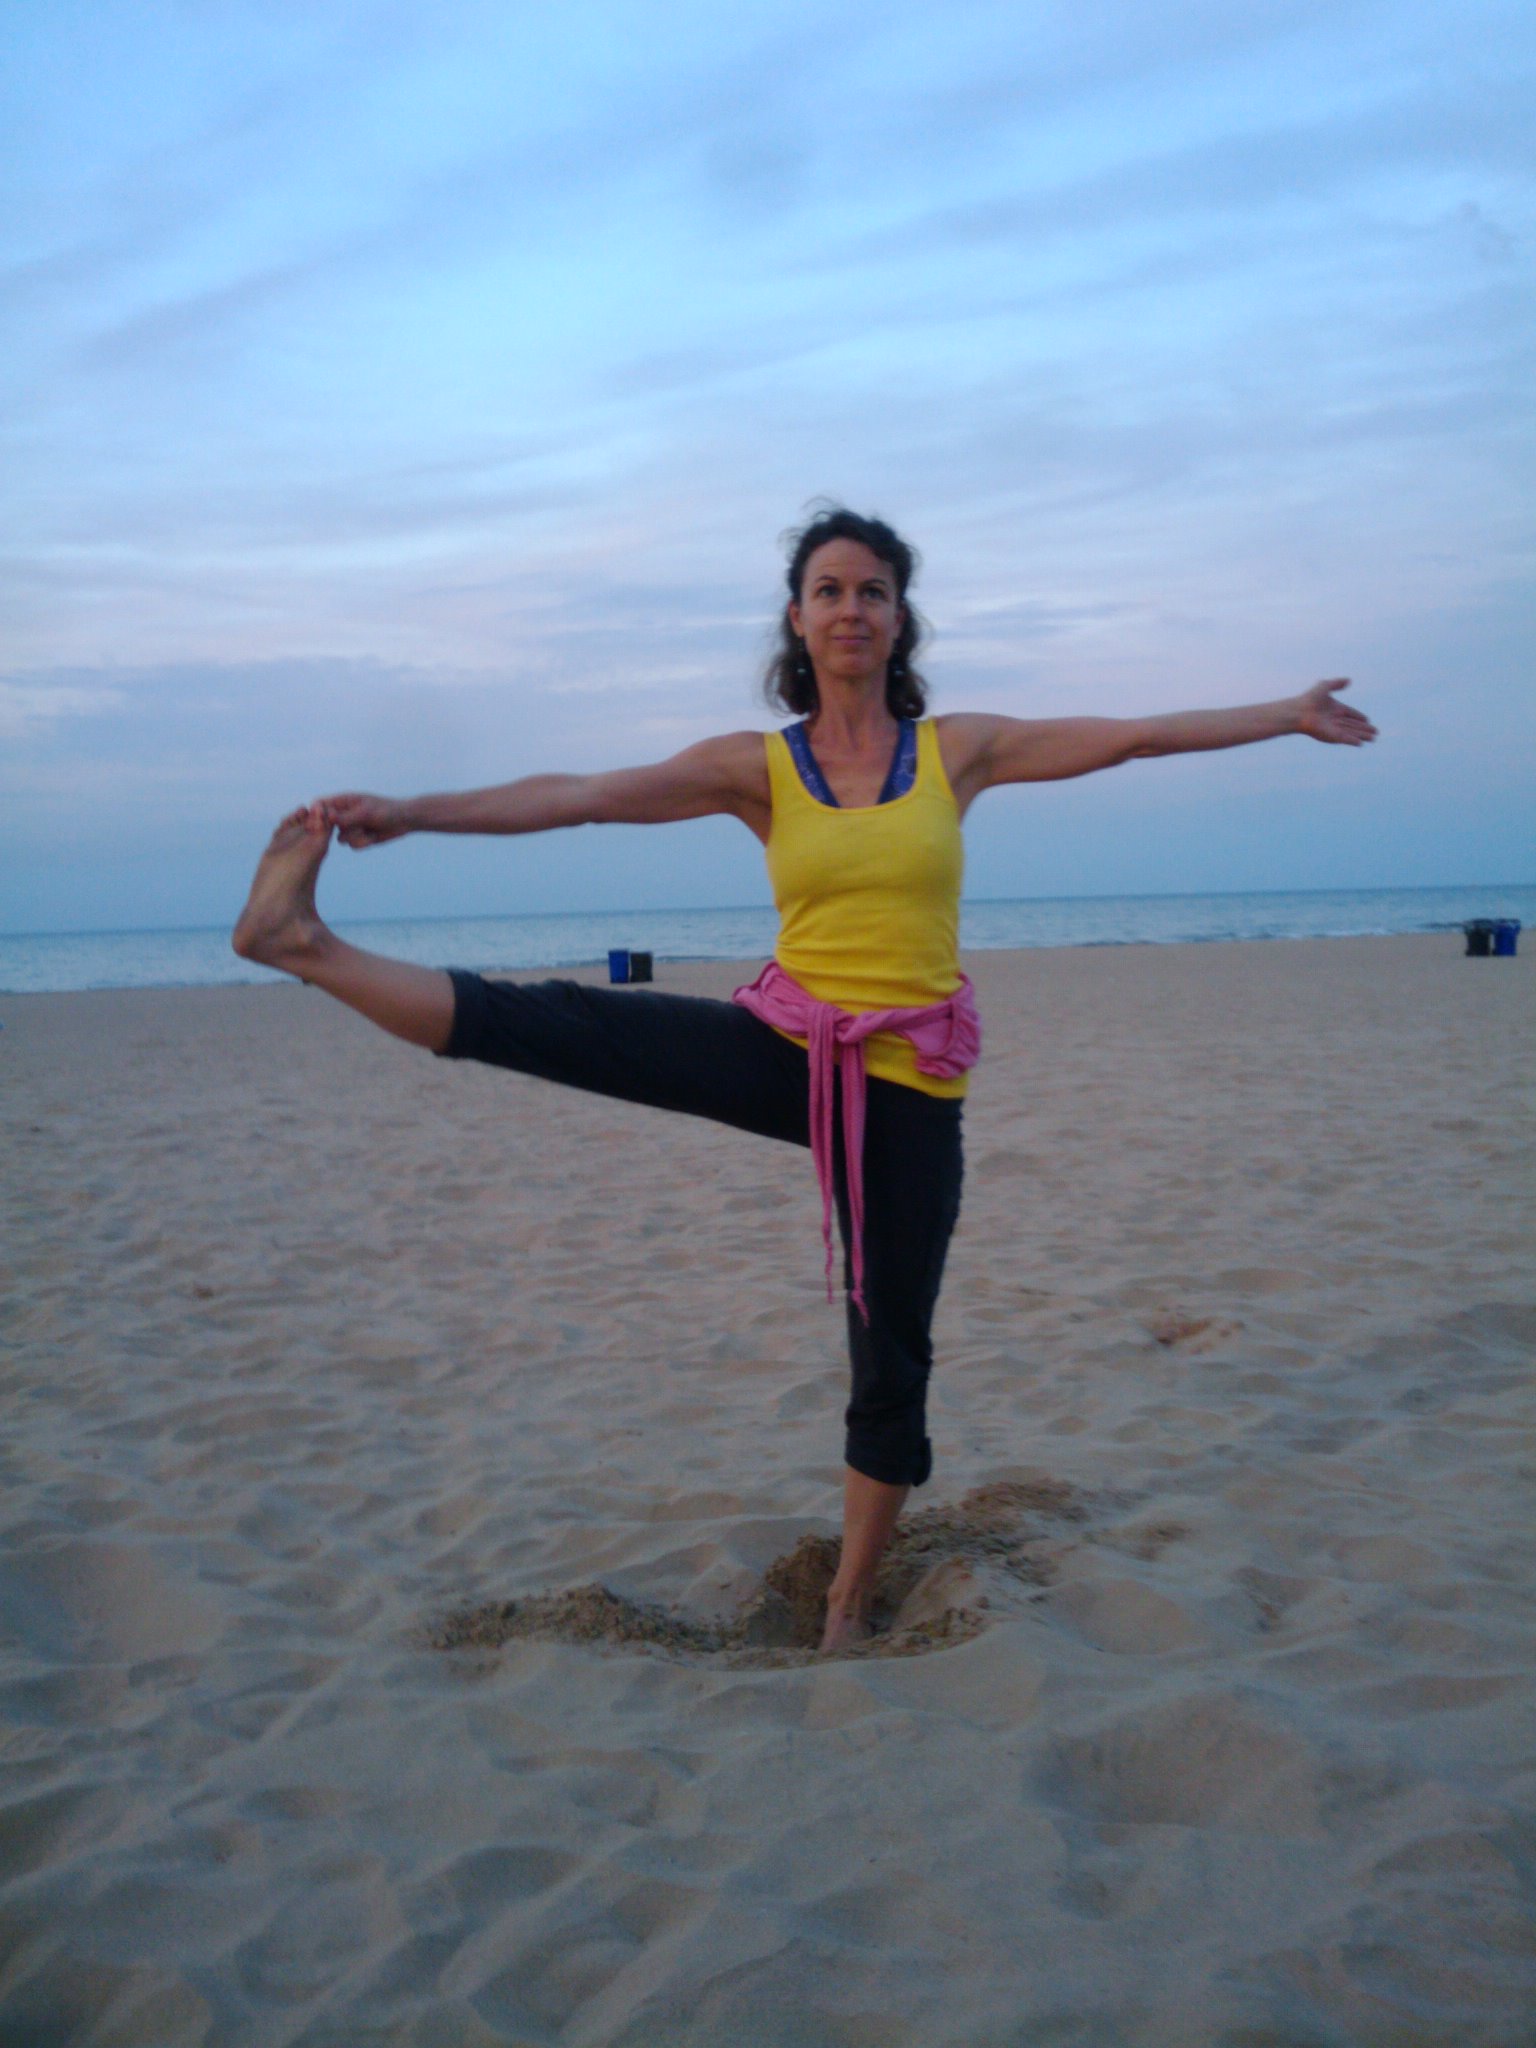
(640, 967)
(1479, 931)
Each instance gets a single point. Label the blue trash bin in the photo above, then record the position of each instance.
(618, 963)
(1506, 932)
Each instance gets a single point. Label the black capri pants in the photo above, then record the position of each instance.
(716, 1060)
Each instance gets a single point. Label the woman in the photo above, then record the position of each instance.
(859, 807)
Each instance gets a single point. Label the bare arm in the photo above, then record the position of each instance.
(726, 776)
(981, 751)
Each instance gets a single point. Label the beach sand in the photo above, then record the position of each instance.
(418, 1481)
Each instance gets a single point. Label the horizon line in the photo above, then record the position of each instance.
(767, 909)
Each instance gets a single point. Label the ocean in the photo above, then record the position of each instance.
(34, 962)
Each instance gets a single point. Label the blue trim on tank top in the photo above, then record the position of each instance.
(900, 776)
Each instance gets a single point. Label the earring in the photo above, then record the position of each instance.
(802, 666)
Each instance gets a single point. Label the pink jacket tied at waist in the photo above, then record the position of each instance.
(946, 1037)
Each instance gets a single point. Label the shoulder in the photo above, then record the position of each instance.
(725, 774)
(965, 738)
(966, 727)
(735, 761)
(727, 765)
(734, 746)
(726, 754)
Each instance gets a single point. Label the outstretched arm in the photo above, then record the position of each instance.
(982, 751)
(726, 776)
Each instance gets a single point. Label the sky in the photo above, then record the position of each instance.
(403, 397)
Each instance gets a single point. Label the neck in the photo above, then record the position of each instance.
(852, 714)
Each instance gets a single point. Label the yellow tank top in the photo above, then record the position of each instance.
(869, 900)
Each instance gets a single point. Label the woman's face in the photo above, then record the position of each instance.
(848, 612)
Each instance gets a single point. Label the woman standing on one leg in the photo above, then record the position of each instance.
(856, 1038)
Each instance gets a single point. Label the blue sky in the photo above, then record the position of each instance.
(400, 397)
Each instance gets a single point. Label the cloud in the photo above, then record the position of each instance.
(30, 705)
(1263, 169)
(166, 329)
(399, 394)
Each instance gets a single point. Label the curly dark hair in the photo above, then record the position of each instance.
(789, 683)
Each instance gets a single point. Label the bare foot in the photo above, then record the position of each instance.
(845, 1626)
(280, 926)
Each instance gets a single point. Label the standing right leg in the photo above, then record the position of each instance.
(913, 1167)
(280, 927)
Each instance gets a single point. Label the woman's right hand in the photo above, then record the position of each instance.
(364, 820)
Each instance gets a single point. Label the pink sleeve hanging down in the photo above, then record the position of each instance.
(945, 1036)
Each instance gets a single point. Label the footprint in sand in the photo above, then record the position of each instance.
(1177, 1331)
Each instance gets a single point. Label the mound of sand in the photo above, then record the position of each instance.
(948, 1572)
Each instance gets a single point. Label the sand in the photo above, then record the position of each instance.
(419, 1484)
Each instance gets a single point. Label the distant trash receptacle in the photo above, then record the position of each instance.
(1506, 933)
(1479, 931)
(626, 966)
